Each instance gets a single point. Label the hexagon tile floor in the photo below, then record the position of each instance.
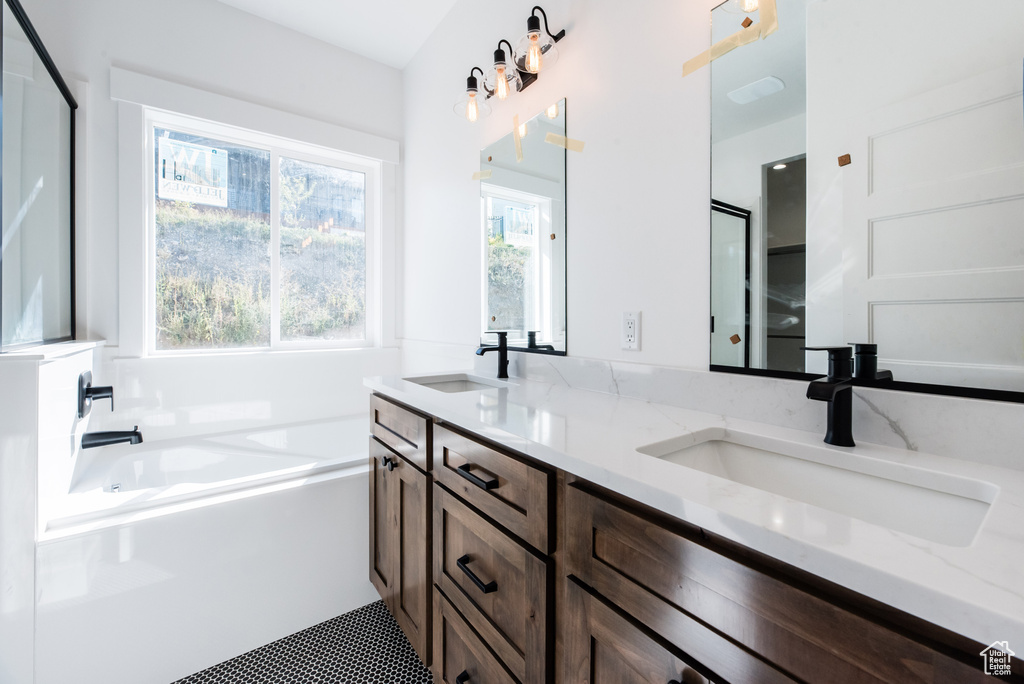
(364, 646)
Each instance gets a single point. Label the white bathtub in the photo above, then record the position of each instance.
(210, 548)
(119, 482)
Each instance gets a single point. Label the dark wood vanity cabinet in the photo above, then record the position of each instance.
(502, 570)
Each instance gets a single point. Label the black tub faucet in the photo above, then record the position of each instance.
(837, 390)
(98, 439)
(502, 350)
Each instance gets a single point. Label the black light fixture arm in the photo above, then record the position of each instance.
(555, 37)
(510, 53)
(471, 82)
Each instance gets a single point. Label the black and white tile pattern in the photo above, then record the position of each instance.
(364, 646)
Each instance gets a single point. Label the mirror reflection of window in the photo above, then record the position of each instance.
(523, 230)
(516, 262)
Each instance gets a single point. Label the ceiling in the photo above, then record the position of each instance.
(782, 54)
(387, 31)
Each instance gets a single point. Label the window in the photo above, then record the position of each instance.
(258, 242)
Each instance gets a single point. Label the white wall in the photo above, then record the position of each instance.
(18, 441)
(637, 196)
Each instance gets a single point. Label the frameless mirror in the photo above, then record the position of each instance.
(36, 275)
(868, 186)
(522, 201)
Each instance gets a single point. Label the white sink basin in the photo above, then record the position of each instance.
(457, 382)
(932, 505)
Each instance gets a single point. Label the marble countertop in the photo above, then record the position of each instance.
(976, 590)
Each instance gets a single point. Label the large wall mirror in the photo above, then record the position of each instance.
(36, 264)
(868, 186)
(522, 200)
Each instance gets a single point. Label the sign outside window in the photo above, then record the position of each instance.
(188, 172)
(519, 228)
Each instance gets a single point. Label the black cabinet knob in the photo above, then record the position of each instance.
(462, 678)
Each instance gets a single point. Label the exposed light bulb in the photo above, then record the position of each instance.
(472, 110)
(533, 56)
(501, 83)
(748, 6)
(552, 111)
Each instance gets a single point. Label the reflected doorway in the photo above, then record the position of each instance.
(730, 294)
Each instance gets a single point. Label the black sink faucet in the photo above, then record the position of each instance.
(98, 439)
(837, 390)
(502, 350)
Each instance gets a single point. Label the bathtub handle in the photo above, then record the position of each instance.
(387, 462)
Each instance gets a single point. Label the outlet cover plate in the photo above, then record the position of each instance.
(631, 330)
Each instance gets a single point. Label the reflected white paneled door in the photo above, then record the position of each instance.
(934, 234)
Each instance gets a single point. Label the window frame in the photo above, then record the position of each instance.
(278, 147)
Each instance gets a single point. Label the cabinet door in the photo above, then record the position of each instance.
(400, 523)
(382, 542)
(412, 516)
(603, 647)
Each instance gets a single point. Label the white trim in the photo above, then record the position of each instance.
(133, 217)
(155, 93)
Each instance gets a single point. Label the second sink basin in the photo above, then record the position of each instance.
(457, 382)
(932, 505)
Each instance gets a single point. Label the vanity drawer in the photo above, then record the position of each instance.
(460, 657)
(664, 573)
(514, 493)
(497, 583)
(405, 431)
(603, 646)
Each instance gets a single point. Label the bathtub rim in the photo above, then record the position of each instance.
(195, 500)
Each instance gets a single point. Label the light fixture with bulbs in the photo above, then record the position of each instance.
(503, 79)
(513, 70)
(535, 51)
(472, 105)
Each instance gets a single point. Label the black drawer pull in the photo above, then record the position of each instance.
(462, 678)
(464, 567)
(463, 470)
(387, 462)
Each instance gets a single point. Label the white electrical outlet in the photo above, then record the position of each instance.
(631, 330)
